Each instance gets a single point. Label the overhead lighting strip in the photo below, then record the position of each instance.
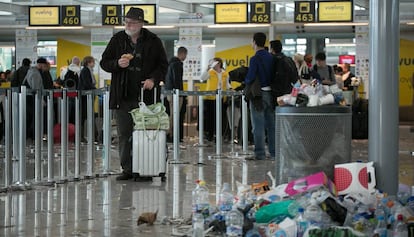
(151, 27)
(54, 27)
(238, 25)
(337, 24)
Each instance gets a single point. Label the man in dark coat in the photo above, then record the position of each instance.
(136, 58)
(174, 80)
(20, 73)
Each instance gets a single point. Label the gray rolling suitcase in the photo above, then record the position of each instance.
(149, 152)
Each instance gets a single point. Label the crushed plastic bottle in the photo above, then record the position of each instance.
(381, 228)
(301, 223)
(400, 229)
(198, 225)
(201, 202)
(234, 223)
(225, 202)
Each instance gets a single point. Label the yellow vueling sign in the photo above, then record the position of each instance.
(236, 57)
(406, 73)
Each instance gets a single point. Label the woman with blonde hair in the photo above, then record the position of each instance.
(217, 78)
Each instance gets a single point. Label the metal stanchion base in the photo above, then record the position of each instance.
(178, 162)
(19, 186)
(240, 155)
(103, 175)
(74, 179)
(61, 181)
(201, 145)
(43, 183)
(4, 190)
(89, 176)
(217, 157)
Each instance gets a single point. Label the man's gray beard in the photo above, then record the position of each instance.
(130, 33)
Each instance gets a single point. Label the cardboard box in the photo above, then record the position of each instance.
(355, 177)
(310, 182)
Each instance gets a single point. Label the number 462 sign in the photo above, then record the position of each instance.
(260, 12)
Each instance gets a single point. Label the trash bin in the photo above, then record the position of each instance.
(311, 139)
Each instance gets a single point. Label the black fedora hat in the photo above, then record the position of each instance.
(136, 14)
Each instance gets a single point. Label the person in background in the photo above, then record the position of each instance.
(347, 76)
(136, 58)
(174, 80)
(20, 73)
(33, 80)
(338, 76)
(303, 69)
(70, 75)
(86, 82)
(217, 78)
(47, 79)
(308, 60)
(323, 72)
(262, 112)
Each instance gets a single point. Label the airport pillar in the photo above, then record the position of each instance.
(383, 90)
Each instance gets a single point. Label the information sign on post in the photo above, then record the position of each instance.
(44, 15)
(260, 12)
(338, 11)
(149, 12)
(112, 15)
(305, 12)
(230, 13)
(70, 15)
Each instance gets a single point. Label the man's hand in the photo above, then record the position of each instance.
(123, 62)
(148, 84)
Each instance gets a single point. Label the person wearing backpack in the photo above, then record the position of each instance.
(285, 71)
(262, 112)
(20, 73)
(323, 72)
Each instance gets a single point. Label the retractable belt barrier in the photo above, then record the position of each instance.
(219, 95)
(16, 153)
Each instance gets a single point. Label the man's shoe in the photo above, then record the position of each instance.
(124, 176)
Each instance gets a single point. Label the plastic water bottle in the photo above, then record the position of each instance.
(201, 202)
(400, 229)
(225, 202)
(198, 225)
(301, 223)
(313, 213)
(234, 223)
(381, 228)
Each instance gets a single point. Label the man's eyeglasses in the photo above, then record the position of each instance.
(132, 22)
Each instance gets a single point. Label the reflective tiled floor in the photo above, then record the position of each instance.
(106, 207)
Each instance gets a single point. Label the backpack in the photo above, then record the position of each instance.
(70, 80)
(286, 74)
(315, 74)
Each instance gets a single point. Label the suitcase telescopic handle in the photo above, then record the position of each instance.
(155, 94)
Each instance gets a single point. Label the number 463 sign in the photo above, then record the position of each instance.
(305, 12)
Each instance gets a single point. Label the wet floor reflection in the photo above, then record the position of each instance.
(106, 207)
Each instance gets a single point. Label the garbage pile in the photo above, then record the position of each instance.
(310, 206)
(312, 94)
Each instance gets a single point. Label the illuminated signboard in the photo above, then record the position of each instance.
(149, 12)
(112, 15)
(335, 11)
(70, 15)
(44, 15)
(305, 12)
(260, 12)
(230, 13)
